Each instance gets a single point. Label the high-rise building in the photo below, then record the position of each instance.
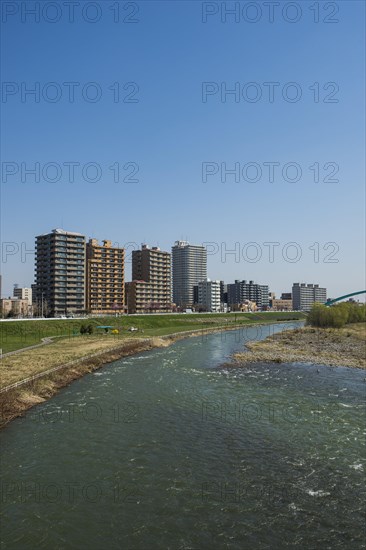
(189, 267)
(105, 278)
(60, 273)
(304, 296)
(209, 295)
(152, 266)
(241, 291)
(23, 294)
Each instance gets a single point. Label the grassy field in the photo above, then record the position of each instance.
(20, 334)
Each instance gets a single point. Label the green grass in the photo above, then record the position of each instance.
(19, 334)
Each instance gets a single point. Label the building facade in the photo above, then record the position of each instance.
(23, 294)
(209, 295)
(105, 278)
(15, 307)
(60, 273)
(304, 296)
(189, 268)
(138, 297)
(242, 291)
(281, 305)
(153, 267)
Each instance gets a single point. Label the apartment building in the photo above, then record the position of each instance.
(105, 278)
(60, 272)
(23, 293)
(16, 307)
(241, 291)
(151, 289)
(281, 305)
(189, 268)
(304, 295)
(209, 295)
(139, 297)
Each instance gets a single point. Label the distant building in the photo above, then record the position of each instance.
(209, 295)
(16, 307)
(139, 297)
(23, 294)
(60, 273)
(286, 296)
(240, 291)
(105, 278)
(223, 292)
(246, 306)
(153, 267)
(189, 267)
(271, 297)
(282, 305)
(304, 296)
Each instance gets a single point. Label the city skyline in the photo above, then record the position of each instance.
(237, 255)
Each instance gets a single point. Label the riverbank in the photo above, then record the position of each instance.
(345, 347)
(17, 335)
(35, 375)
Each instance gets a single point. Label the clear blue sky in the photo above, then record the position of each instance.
(170, 132)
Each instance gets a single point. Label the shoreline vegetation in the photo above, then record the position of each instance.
(337, 347)
(71, 357)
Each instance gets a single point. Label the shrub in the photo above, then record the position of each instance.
(336, 316)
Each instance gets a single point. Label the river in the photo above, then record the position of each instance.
(177, 449)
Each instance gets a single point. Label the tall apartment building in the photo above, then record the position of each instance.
(105, 278)
(209, 295)
(151, 288)
(303, 295)
(241, 291)
(189, 267)
(60, 272)
(23, 294)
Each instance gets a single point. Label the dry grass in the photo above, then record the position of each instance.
(17, 367)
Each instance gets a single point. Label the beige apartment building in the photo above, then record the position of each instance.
(105, 278)
(150, 290)
(281, 305)
(139, 297)
(17, 306)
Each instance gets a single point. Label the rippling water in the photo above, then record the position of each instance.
(174, 449)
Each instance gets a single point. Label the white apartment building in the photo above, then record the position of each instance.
(23, 294)
(209, 295)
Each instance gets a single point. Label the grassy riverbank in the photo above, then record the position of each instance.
(16, 335)
(327, 346)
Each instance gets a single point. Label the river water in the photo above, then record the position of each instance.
(175, 449)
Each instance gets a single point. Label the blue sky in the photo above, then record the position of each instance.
(169, 132)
